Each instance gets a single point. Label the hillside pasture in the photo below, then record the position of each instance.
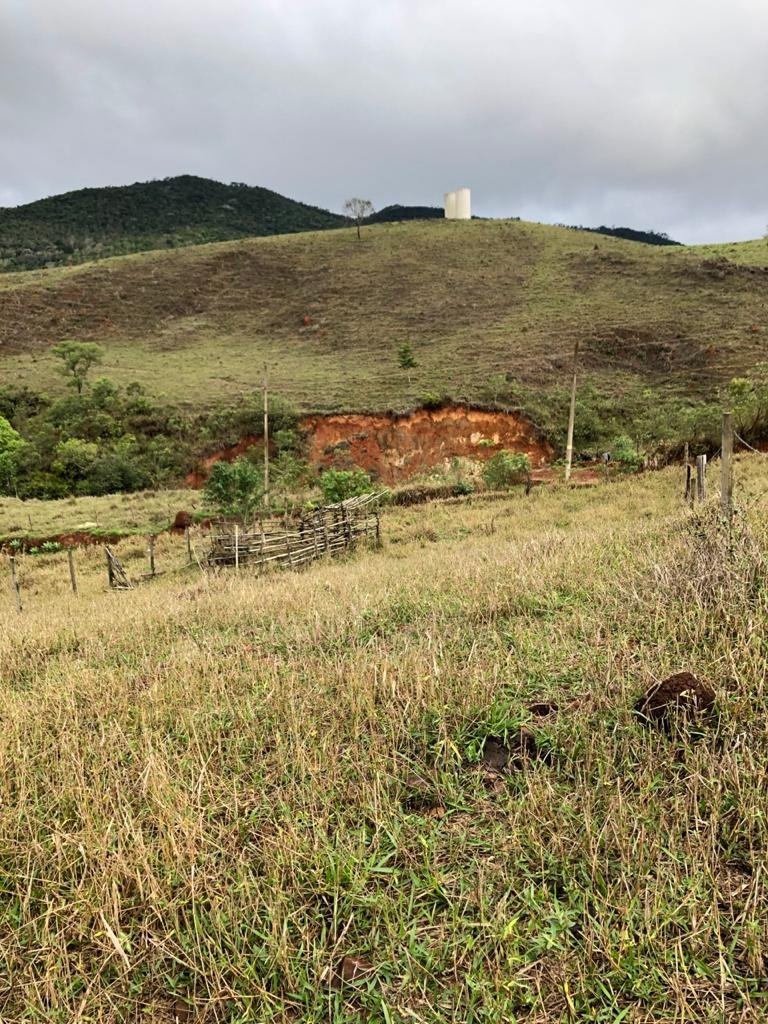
(476, 301)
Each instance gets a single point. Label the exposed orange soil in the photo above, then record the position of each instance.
(395, 447)
(201, 472)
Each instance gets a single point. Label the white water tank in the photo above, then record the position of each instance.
(450, 205)
(463, 207)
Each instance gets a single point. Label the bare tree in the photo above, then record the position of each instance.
(357, 210)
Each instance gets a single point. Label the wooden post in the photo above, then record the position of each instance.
(15, 584)
(237, 547)
(189, 545)
(701, 477)
(266, 437)
(72, 576)
(688, 482)
(152, 554)
(571, 417)
(726, 466)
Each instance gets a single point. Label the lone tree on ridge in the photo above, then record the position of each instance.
(357, 210)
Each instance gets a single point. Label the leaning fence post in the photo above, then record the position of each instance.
(688, 481)
(701, 477)
(72, 576)
(726, 465)
(15, 583)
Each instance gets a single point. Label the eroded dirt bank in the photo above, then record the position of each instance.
(202, 471)
(396, 447)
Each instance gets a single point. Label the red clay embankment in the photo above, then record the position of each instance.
(394, 447)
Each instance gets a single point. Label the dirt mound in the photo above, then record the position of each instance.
(680, 694)
(394, 447)
(524, 746)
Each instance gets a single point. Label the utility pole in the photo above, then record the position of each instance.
(266, 436)
(571, 417)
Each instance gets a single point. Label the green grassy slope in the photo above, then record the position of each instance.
(97, 222)
(328, 313)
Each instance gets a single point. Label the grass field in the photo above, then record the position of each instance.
(144, 511)
(473, 299)
(232, 798)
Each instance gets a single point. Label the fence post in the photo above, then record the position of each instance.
(726, 466)
(237, 547)
(688, 481)
(72, 576)
(701, 477)
(15, 584)
(152, 554)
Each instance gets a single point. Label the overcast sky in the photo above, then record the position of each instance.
(647, 113)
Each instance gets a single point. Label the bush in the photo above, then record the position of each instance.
(506, 469)
(432, 399)
(234, 489)
(624, 451)
(340, 484)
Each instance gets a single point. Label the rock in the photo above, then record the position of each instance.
(681, 693)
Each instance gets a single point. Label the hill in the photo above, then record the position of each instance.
(96, 222)
(633, 235)
(397, 212)
(491, 309)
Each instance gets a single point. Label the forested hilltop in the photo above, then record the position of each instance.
(92, 223)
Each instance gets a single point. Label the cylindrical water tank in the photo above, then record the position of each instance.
(463, 204)
(450, 205)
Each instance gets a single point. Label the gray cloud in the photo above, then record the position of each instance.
(649, 114)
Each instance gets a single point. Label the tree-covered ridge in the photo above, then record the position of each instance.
(396, 212)
(92, 223)
(632, 235)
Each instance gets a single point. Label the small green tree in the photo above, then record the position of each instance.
(340, 484)
(624, 451)
(406, 360)
(234, 489)
(78, 357)
(505, 469)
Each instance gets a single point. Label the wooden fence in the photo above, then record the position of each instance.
(331, 529)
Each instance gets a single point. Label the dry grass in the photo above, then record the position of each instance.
(474, 299)
(145, 511)
(213, 789)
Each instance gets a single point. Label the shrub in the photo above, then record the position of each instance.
(340, 484)
(624, 451)
(234, 489)
(432, 399)
(506, 469)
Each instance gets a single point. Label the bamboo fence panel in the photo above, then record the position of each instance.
(329, 530)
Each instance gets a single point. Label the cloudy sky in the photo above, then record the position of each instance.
(649, 113)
